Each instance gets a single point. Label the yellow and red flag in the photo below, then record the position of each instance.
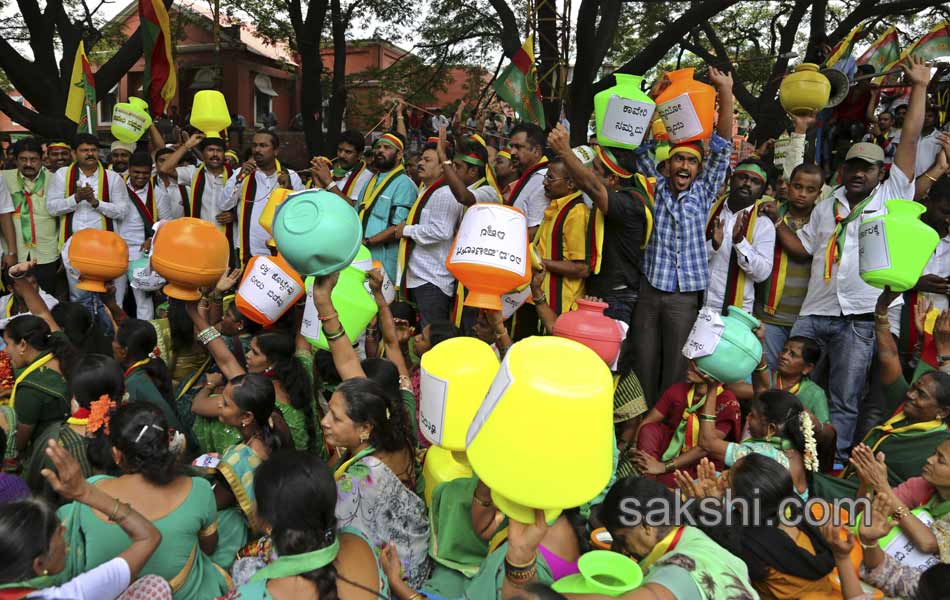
(81, 101)
(160, 81)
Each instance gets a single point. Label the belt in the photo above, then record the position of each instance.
(860, 317)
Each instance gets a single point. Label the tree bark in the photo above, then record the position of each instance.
(308, 33)
(593, 43)
(337, 103)
(549, 72)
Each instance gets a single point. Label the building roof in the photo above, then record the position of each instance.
(249, 37)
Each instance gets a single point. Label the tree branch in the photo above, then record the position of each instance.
(510, 36)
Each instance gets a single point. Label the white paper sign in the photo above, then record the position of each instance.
(432, 394)
(207, 461)
(901, 549)
(872, 246)
(492, 235)
(310, 323)
(499, 386)
(626, 121)
(269, 289)
(779, 150)
(680, 118)
(512, 301)
(389, 290)
(705, 335)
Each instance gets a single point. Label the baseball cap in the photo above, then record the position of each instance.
(866, 151)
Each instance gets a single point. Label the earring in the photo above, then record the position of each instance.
(45, 572)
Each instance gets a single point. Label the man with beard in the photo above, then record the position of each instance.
(350, 174)
(527, 157)
(206, 181)
(838, 311)
(119, 155)
(136, 228)
(34, 231)
(676, 262)
(248, 191)
(58, 155)
(87, 196)
(426, 236)
(386, 200)
(741, 245)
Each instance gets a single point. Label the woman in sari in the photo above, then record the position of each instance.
(182, 508)
(247, 405)
(34, 555)
(146, 376)
(777, 423)
(312, 556)
(907, 439)
(97, 388)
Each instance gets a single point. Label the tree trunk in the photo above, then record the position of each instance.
(334, 113)
(593, 43)
(549, 72)
(309, 32)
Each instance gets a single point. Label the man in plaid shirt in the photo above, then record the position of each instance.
(675, 263)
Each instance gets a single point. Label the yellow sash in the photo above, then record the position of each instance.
(36, 364)
(372, 191)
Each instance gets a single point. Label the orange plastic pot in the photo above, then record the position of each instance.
(490, 253)
(99, 256)
(190, 254)
(687, 107)
(269, 289)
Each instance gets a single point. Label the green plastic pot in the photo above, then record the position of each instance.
(623, 113)
(602, 572)
(353, 303)
(739, 350)
(318, 232)
(896, 247)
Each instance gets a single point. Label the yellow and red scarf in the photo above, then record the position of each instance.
(244, 209)
(72, 180)
(407, 244)
(686, 435)
(519, 184)
(373, 189)
(770, 291)
(193, 206)
(354, 176)
(554, 242)
(836, 241)
(145, 208)
(735, 276)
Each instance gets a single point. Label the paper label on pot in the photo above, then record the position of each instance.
(626, 121)
(780, 149)
(705, 335)
(494, 237)
(310, 323)
(499, 386)
(872, 247)
(389, 290)
(432, 394)
(269, 289)
(680, 118)
(512, 301)
(901, 549)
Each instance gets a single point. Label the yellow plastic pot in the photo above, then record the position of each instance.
(442, 465)
(805, 91)
(209, 113)
(130, 120)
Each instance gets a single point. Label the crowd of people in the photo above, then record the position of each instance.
(161, 448)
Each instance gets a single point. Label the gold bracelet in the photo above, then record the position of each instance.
(927, 175)
(900, 513)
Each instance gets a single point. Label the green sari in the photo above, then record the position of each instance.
(237, 466)
(906, 445)
(68, 438)
(92, 541)
(40, 399)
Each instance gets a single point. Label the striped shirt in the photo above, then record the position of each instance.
(793, 294)
(676, 258)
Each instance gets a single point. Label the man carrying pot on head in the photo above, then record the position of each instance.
(675, 261)
(386, 200)
(838, 311)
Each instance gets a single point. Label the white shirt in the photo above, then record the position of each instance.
(927, 149)
(532, 200)
(485, 193)
(754, 258)
(6, 199)
(358, 185)
(84, 215)
(132, 229)
(439, 121)
(265, 185)
(169, 199)
(845, 293)
(433, 238)
(105, 582)
(212, 198)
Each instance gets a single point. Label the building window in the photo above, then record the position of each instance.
(264, 94)
(262, 106)
(107, 104)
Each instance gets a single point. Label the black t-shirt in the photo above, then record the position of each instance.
(624, 228)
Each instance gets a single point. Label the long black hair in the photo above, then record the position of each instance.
(37, 334)
(296, 497)
(26, 528)
(783, 410)
(139, 339)
(139, 430)
(368, 402)
(180, 325)
(385, 373)
(279, 349)
(97, 375)
(254, 393)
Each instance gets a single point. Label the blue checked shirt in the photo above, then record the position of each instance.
(676, 259)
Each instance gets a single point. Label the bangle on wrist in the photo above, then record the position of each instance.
(669, 466)
(705, 417)
(327, 317)
(208, 335)
(930, 177)
(762, 367)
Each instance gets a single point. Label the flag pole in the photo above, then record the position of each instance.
(89, 118)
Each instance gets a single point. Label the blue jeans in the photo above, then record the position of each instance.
(431, 304)
(621, 304)
(849, 347)
(775, 338)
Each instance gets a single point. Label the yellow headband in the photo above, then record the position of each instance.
(686, 150)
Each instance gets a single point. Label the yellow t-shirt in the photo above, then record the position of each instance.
(574, 247)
